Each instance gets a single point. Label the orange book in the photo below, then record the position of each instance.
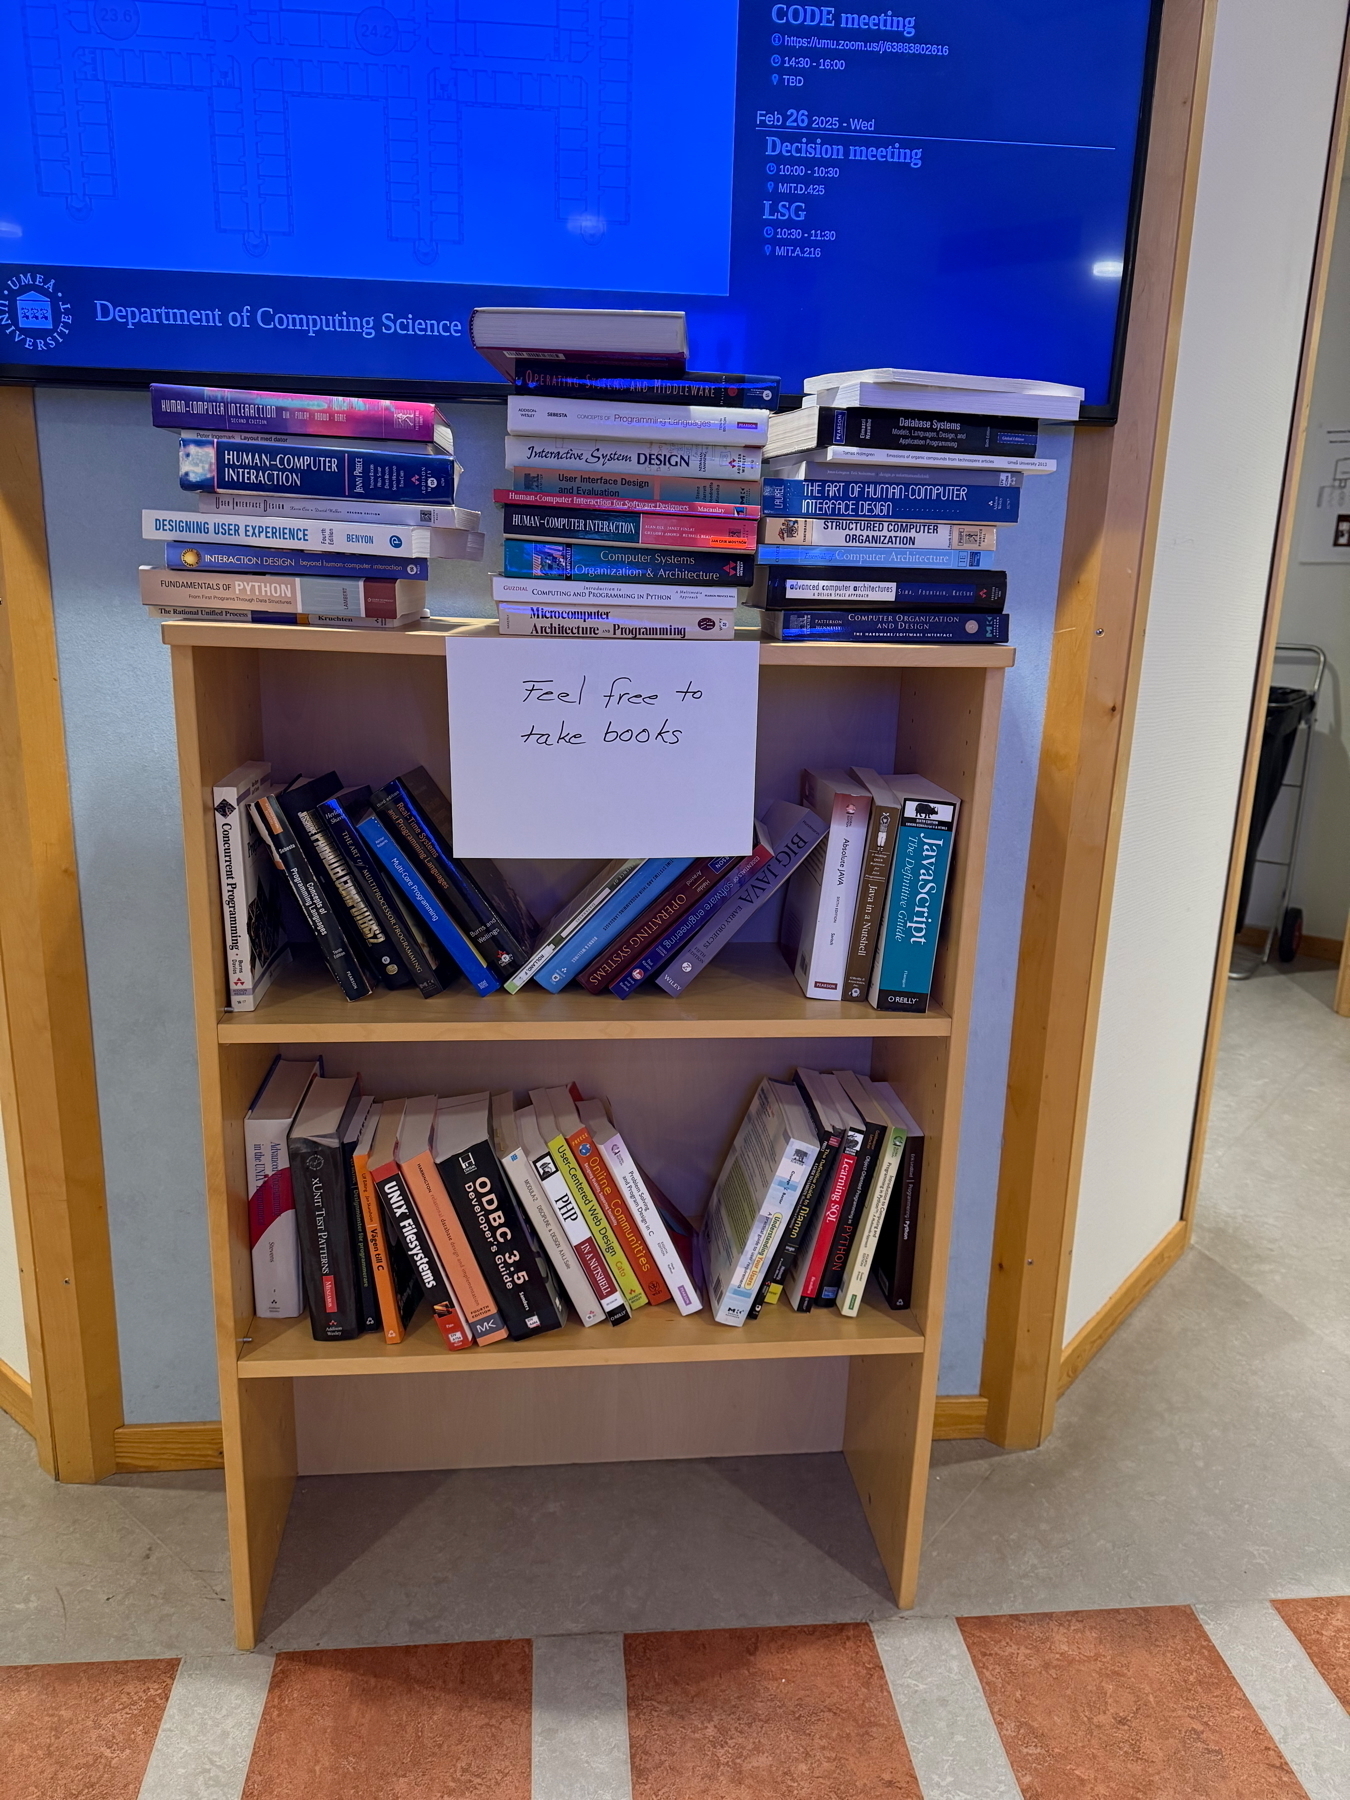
(391, 1191)
(615, 1208)
(395, 1308)
(441, 1222)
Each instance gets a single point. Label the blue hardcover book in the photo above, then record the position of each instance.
(256, 559)
(976, 496)
(875, 625)
(685, 927)
(625, 562)
(902, 975)
(870, 556)
(237, 466)
(622, 907)
(428, 907)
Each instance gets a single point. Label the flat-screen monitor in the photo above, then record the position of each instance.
(320, 191)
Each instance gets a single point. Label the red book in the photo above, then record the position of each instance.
(804, 1285)
(717, 509)
(615, 1208)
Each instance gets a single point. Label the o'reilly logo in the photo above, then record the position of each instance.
(938, 813)
(34, 314)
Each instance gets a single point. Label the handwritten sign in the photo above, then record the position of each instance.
(601, 749)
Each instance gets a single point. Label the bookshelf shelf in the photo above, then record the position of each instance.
(283, 1348)
(369, 704)
(749, 992)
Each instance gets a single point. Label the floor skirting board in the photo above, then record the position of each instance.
(153, 1449)
(1253, 937)
(959, 1416)
(1081, 1348)
(16, 1397)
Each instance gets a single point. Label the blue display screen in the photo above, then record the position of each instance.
(301, 188)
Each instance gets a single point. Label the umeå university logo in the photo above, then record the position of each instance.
(34, 313)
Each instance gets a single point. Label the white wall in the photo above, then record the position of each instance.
(1266, 135)
(13, 1345)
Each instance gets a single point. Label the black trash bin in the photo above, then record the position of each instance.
(1286, 710)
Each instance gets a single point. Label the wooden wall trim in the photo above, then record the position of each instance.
(1085, 1344)
(151, 1449)
(16, 1397)
(1283, 555)
(47, 1084)
(1114, 497)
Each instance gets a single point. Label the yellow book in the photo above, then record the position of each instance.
(546, 1103)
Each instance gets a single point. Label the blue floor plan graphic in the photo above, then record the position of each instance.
(513, 142)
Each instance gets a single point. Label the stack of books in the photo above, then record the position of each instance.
(505, 1217)
(310, 509)
(632, 490)
(883, 497)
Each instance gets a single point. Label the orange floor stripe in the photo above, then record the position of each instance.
(1323, 1629)
(426, 1722)
(1123, 1705)
(73, 1731)
(764, 1715)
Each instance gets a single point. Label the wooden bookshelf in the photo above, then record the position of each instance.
(372, 703)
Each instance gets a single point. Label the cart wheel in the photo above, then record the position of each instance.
(1291, 933)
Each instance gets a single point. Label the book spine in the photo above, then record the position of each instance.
(805, 1282)
(227, 410)
(278, 1291)
(653, 530)
(238, 466)
(957, 501)
(593, 1213)
(625, 623)
(509, 591)
(323, 1222)
(832, 1276)
(867, 456)
(215, 558)
(400, 938)
(222, 615)
(863, 1253)
(453, 1250)
(596, 1172)
(690, 922)
(909, 534)
(728, 920)
(506, 1260)
(357, 599)
(406, 1227)
(902, 975)
(894, 1261)
(813, 1189)
(733, 1295)
(402, 819)
(887, 628)
(828, 889)
(322, 920)
(888, 589)
(870, 909)
(239, 530)
(368, 1317)
(650, 1223)
(377, 1249)
(577, 1231)
(867, 427)
(594, 456)
(650, 500)
(525, 558)
(828, 557)
(527, 417)
(561, 381)
(608, 920)
(447, 933)
(553, 1240)
(549, 946)
(255, 949)
(644, 932)
(301, 507)
(364, 921)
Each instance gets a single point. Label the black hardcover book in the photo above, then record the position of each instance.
(854, 1202)
(813, 1188)
(302, 805)
(344, 962)
(503, 899)
(969, 434)
(486, 1208)
(403, 1227)
(367, 1298)
(320, 1175)
(780, 586)
(893, 1264)
(842, 626)
(626, 381)
(402, 940)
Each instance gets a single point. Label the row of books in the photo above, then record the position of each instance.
(504, 1217)
(632, 488)
(304, 513)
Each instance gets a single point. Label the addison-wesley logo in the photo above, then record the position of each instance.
(34, 314)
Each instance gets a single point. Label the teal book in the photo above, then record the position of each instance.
(902, 975)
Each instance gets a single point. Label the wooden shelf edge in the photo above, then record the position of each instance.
(283, 1348)
(262, 1028)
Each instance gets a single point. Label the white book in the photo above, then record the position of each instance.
(1011, 386)
(539, 1211)
(529, 416)
(343, 512)
(274, 1243)
(681, 624)
(646, 1214)
(289, 531)
(886, 534)
(548, 333)
(748, 1210)
(1063, 407)
(865, 1238)
(590, 456)
(520, 590)
(531, 1129)
(255, 942)
(818, 913)
(802, 466)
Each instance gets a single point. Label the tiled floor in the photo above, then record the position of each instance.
(1095, 1619)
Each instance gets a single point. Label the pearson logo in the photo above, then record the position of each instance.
(34, 313)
